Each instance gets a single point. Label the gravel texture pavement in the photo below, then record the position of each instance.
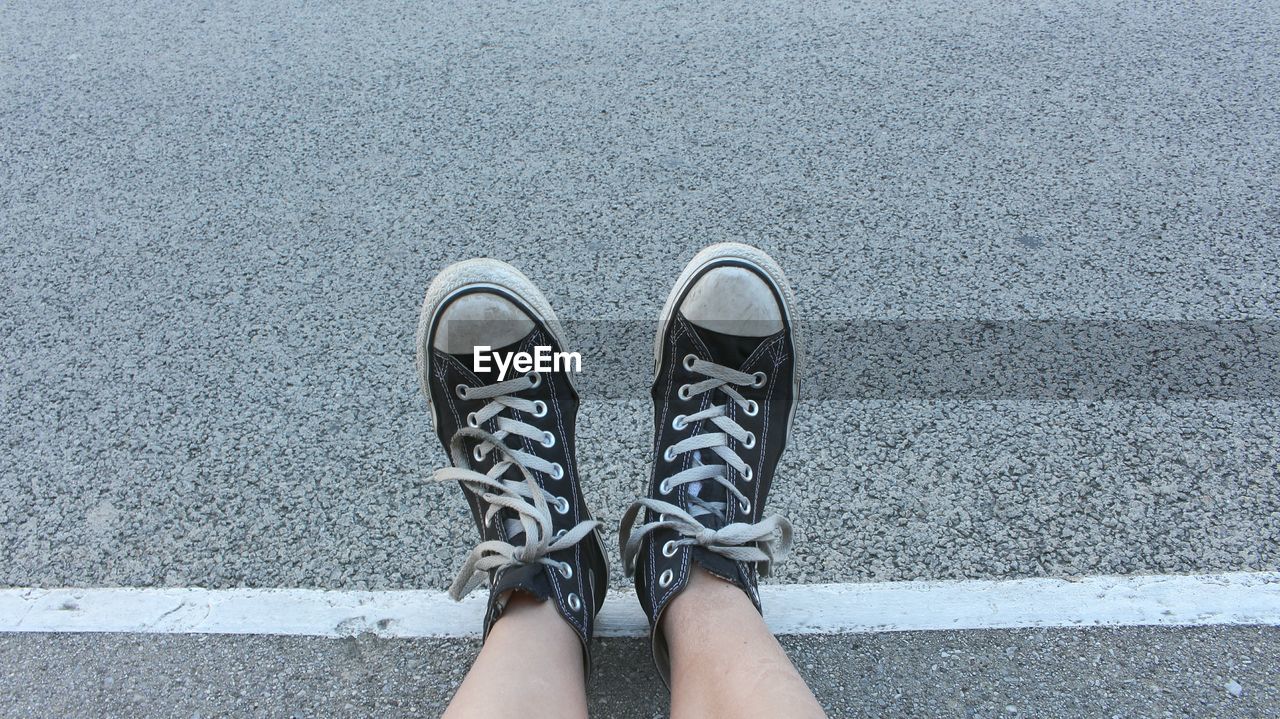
(217, 221)
(1138, 672)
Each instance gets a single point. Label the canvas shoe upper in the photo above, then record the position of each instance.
(511, 443)
(726, 381)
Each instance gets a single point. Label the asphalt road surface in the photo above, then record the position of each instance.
(1134, 672)
(217, 221)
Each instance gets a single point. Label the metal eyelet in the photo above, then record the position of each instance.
(683, 392)
(689, 359)
(745, 505)
(669, 455)
(562, 505)
(678, 423)
(748, 475)
(461, 391)
(566, 570)
(664, 579)
(669, 549)
(559, 533)
(535, 377)
(548, 439)
(751, 440)
(476, 454)
(664, 488)
(760, 378)
(539, 408)
(557, 472)
(472, 420)
(575, 602)
(752, 408)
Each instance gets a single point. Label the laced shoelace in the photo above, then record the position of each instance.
(763, 542)
(529, 501)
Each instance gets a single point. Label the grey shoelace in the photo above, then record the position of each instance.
(529, 501)
(763, 542)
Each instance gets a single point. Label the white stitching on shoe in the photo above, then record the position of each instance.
(502, 493)
(736, 541)
(569, 471)
(442, 373)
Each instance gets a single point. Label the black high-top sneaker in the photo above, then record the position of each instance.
(511, 441)
(727, 377)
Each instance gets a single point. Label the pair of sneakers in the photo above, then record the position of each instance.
(727, 372)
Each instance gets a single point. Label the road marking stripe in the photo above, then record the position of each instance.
(1186, 600)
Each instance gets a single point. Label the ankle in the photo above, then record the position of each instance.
(531, 619)
(526, 613)
(704, 601)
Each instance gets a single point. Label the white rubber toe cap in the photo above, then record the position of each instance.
(480, 319)
(733, 301)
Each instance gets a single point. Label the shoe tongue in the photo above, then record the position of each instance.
(529, 578)
(707, 490)
(491, 376)
(728, 350)
(710, 520)
(515, 530)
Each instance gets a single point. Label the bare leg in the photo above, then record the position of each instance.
(530, 666)
(724, 660)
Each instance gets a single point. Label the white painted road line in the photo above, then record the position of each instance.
(1233, 598)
